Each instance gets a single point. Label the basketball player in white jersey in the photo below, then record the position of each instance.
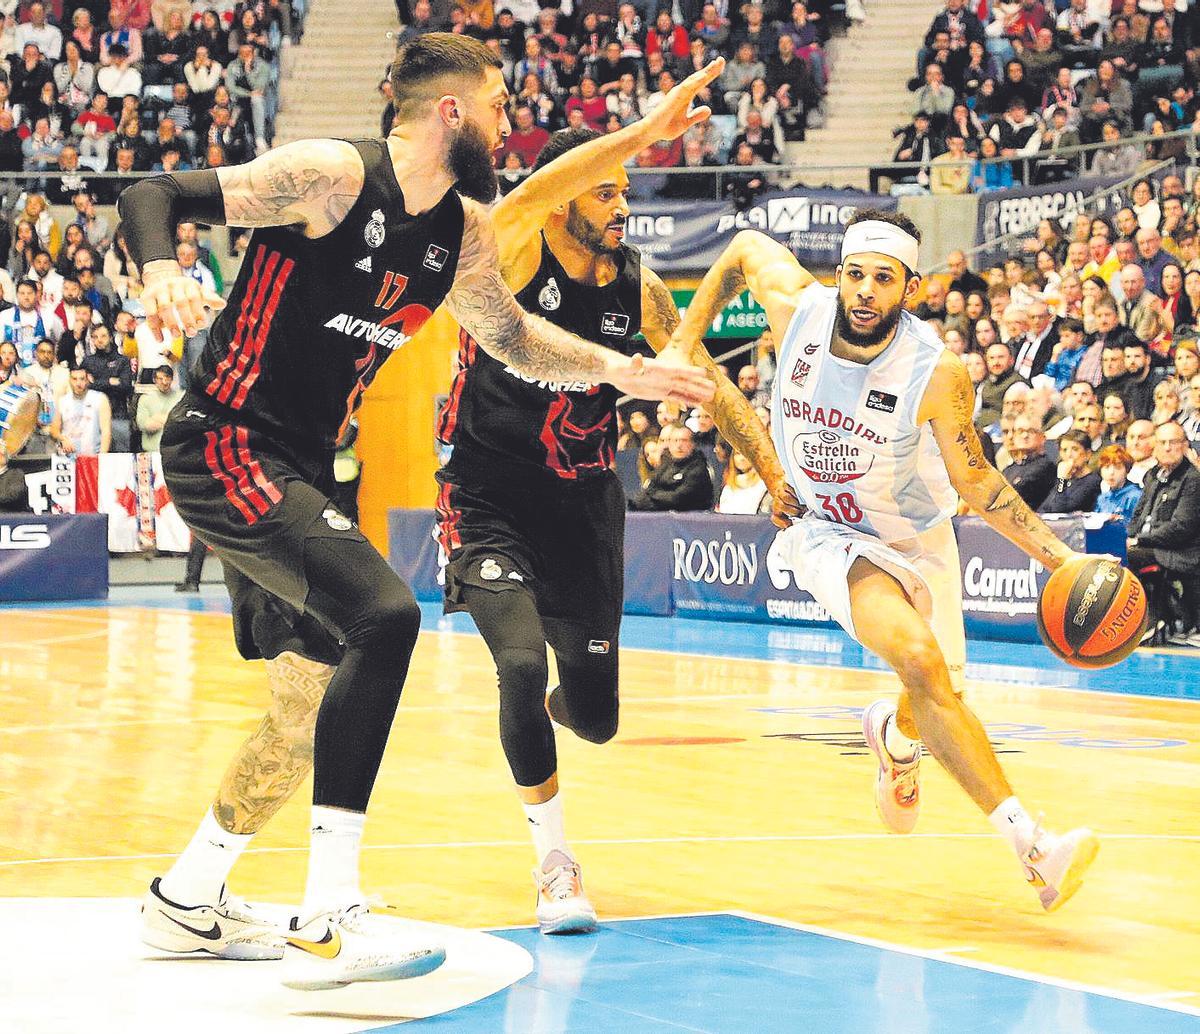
(871, 417)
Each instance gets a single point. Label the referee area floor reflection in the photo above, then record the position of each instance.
(736, 798)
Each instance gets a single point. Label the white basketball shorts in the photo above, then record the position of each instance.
(819, 554)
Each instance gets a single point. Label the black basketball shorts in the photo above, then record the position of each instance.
(256, 502)
(564, 542)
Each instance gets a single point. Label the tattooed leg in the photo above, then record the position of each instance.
(273, 762)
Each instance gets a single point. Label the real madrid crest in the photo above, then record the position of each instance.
(374, 232)
(337, 521)
(489, 570)
(550, 297)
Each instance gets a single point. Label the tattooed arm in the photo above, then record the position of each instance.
(949, 405)
(484, 306)
(733, 414)
(310, 184)
(755, 261)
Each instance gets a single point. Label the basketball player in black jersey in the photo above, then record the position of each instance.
(531, 516)
(355, 245)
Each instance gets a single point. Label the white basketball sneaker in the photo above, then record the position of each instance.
(562, 907)
(897, 785)
(340, 947)
(229, 929)
(1054, 865)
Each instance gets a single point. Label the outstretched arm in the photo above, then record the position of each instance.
(949, 404)
(484, 306)
(520, 216)
(734, 416)
(755, 261)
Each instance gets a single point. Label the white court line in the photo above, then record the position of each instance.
(29, 644)
(782, 838)
(1153, 1001)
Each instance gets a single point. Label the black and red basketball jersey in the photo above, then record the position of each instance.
(566, 429)
(309, 322)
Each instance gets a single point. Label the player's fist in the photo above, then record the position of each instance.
(177, 299)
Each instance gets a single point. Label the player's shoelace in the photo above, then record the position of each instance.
(562, 883)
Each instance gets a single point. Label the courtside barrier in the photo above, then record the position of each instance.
(708, 565)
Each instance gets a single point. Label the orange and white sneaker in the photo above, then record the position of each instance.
(562, 907)
(897, 785)
(1054, 865)
(340, 947)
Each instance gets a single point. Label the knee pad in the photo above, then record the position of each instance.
(390, 624)
(589, 701)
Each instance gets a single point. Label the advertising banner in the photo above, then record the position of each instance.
(679, 237)
(1020, 209)
(53, 557)
(1001, 583)
(414, 553)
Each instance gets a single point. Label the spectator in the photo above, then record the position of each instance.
(1107, 332)
(1117, 159)
(963, 280)
(682, 480)
(112, 375)
(526, 140)
(1116, 419)
(667, 38)
(1139, 443)
(758, 138)
(1141, 311)
(744, 187)
(988, 173)
(121, 33)
(1000, 377)
(1037, 345)
(1089, 421)
(248, 79)
(1105, 97)
(95, 130)
(933, 307)
(154, 406)
(692, 185)
(10, 364)
(120, 77)
(49, 281)
(1015, 86)
(1165, 527)
(1066, 353)
(26, 323)
(12, 155)
(917, 144)
(42, 147)
(749, 384)
(1102, 260)
(739, 73)
(83, 424)
(1168, 404)
(228, 136)
(950, 173)
(74, 78)
(1140, 380)
(1145, 206)
(1191, 423)
(960, 24)
(1152, 258)
(203, 75)
(594, 107)
(1076, 488)
(1031, 472)
(1118, 495)
(786, 71)
(40, 33)
(935, 98)
(744, 491)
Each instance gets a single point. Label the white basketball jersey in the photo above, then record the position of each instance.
(847, 433)
(81, 421)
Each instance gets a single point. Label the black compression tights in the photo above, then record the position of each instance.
(352, 588)
(585, 700)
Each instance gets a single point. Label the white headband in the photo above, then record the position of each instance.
(884, 238)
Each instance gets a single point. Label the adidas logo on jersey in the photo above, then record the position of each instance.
(364, 264)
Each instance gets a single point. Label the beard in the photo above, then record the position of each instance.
(587, 233)
(470, 163)
(869, 338)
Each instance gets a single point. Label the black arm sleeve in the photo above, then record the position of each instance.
(152, 208)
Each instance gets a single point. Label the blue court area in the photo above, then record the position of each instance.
(730, 973)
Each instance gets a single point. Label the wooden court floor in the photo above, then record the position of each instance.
(732, 784)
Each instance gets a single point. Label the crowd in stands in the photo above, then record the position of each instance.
(1002, 85)
(605, 65)
(127, 87)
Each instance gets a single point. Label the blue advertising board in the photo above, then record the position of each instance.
(53, 557)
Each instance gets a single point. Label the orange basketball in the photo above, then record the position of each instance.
(1092, 612)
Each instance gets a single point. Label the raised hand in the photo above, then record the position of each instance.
(672, 117)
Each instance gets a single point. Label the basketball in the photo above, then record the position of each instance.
(1092, 612)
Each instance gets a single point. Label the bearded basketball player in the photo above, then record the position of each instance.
(872, 420)
(355, 245)
(532, 518)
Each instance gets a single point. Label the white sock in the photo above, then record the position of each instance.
(896, 743)
(1014, 824)
(547, 827)
(199, 873)
(333, 860)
